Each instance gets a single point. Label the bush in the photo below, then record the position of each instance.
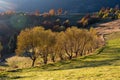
(19, 62)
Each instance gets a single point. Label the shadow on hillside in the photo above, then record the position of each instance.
(3, 59)
(6, 77)
(112, 50)
(85, 62)
(108, 58)
(82, 64)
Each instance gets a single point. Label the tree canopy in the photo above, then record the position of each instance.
(48, 45)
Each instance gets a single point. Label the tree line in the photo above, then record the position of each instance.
(56, 46)
(110, 13)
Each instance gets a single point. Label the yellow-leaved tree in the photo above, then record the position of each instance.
(35, 42)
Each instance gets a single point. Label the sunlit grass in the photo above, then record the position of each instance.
(103, 66)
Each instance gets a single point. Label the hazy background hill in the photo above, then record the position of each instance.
(69, 5)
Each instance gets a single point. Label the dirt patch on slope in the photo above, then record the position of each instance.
(107, 28)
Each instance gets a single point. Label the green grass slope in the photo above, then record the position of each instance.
(102, 66)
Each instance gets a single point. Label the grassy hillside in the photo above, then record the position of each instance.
(102, 66)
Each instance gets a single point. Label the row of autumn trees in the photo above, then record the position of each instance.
(111, 13)
(55, 46)
(102, 15)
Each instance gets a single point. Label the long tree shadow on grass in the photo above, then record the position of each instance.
(80, 64)
(10, 78)
(4, 76)
(109, 56)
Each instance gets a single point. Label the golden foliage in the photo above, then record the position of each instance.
(52, 12)
(40, 42)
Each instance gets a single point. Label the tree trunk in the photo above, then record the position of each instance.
(53, 58)
(76, 54)
(81, 53)
(33, 62)
(61, 57)
(45, 60)
(82, 50)
(70, 57)
(69, 54)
